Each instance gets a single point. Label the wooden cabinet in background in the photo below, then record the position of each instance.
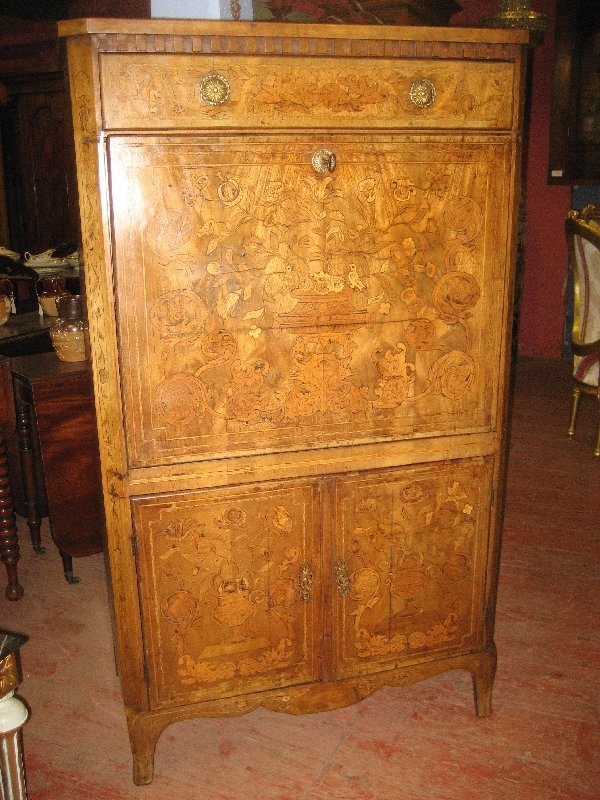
(38, 204)
(299, 246)
(40, 184)
(575, 122)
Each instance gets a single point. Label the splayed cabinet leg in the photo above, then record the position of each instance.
(144, 731)
(483, 682)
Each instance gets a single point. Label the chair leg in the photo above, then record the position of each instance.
(574, 407)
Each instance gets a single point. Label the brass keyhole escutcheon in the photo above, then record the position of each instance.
(305, 581)
(214, 89)
(342, 577)
(422, 92)
(323, 160)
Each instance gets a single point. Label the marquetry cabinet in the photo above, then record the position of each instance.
(298, 245)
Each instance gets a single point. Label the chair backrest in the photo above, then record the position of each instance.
(582, 229)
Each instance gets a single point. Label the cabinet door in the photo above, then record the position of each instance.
(229, 590)
(266, 305)
(40, 170)
(411, 555)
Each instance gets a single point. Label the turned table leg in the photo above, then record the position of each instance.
(9, 542)
(32, 503)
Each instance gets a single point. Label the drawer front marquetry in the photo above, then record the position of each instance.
(176, 91)
(230, 586)
(410, 562)
(268, 306)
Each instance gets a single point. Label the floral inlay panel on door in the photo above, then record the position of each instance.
(231, 584)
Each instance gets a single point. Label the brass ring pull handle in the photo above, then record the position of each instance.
(342, 577)
(214, 89)
(422, 92)
(323, 160)
(306, 578)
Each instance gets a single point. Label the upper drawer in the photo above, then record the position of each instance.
(167, 91)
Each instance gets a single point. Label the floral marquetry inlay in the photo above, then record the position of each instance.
(291, 304)
(197, 92)
(412, 551)
(298, 244)
(231, 587)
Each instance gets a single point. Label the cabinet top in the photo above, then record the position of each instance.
(191, 28)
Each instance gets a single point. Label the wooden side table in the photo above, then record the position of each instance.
(13, 714)
(24, 334)
(9, 543)
(55, 409)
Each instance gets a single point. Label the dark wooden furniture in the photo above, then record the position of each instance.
(40, 185)
(38, 191)
(575, 122)
(22, 334)
(25, 334)
(9, 543)
(55, 408)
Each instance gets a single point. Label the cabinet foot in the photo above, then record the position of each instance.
(483, 681)
(143, 735)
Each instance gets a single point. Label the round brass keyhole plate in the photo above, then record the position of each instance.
(422, 92)
(215, 89)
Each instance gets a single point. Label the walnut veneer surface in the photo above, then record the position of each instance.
(299, 246)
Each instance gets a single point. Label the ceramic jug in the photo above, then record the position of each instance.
(69, 332)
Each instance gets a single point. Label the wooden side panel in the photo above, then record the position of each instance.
(97, 271)
(230, 587)
(264, 306)
(410, 558)
(66, 426)
(143, 91)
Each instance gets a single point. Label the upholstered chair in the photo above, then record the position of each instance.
(583, 236)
